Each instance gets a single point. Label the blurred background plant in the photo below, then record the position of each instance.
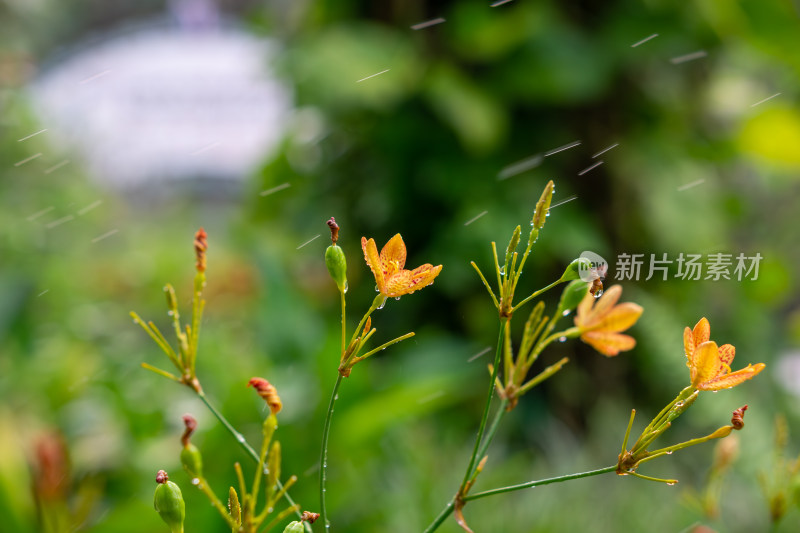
(444, 141)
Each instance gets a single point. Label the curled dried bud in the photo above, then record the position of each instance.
(737, 421)
(162, 477)
(334, 230)
(200, 247)
(268, 392)
(309, 517)
(191, 424)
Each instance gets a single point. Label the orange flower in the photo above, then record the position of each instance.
(600, 325)
(388, 270)
(708, 364)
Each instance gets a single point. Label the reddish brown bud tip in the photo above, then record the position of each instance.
(191, 425)
(309, 517)
(162, 477)
(737, 421)
(200, 247)
(334, 230)
(268, 393)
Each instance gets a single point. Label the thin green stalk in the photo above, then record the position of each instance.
(376, 303)
(489, 396)
(539, 482)
(439, 520)
(344, 334)
(487, 440)
(535, 294)
(323, 455)
(245, 446)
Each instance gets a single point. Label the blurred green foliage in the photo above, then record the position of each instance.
(416, 150)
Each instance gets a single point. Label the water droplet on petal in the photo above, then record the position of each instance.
(397, 298)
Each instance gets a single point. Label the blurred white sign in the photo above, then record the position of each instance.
(165, 102)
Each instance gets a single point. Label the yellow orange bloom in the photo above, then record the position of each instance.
(391, 278)
(709, 364)
(600, 322)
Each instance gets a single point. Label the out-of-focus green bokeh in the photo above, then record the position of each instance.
(699, 167)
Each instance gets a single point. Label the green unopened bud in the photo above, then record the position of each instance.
(168, 502)
(512, 245)
(192, 460)
(294, 527)
(337, 266)
(573, 293)
(234, 507)
(172, 300)
(543, 206)
(580, 268)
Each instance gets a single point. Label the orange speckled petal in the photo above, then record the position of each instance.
(604, 304)
(608, 344)
(619, 318)
(726, 353)
(422, 276)
(374, 262)
(702, 332)
(393, 255)
(705, 364)
(688, 346)
(734, 378)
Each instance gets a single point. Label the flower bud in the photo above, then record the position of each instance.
(294, 527)
(543, 206)
(512, 245)
(192, 460)
(234, 507)
(168, 502)
(573, 294)
(337, 266)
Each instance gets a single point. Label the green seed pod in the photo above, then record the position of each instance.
(337, 266)
(572, 295)
(192, 460)
(168, 502)
(294, 527)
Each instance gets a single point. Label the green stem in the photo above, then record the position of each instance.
(344, 334)
(243, 443)
(501, 411)
(539, 482)
(535, 294)
(489, 396)
(439, 520)
(323, 455)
